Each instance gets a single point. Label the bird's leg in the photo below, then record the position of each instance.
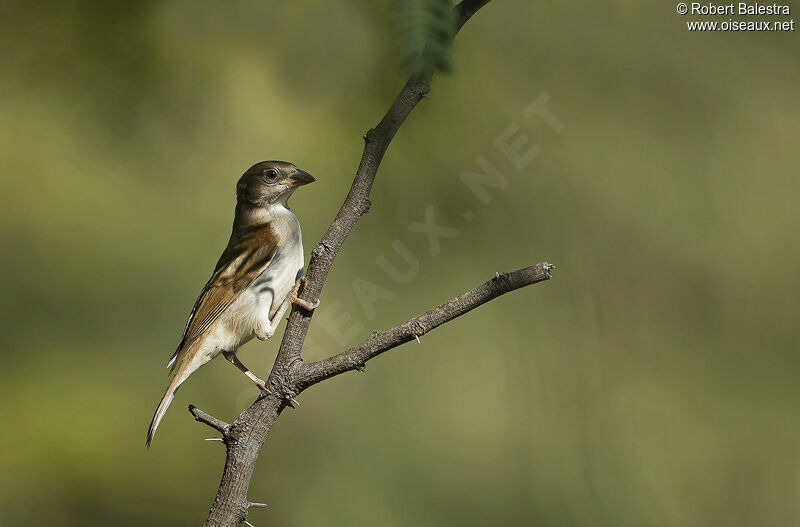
(231, 356)
(293, 298)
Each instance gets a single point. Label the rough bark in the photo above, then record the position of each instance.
(289, 376)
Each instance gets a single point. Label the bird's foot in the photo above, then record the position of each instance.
(305, 304)
(260, 383)
(264, 390)
(294, 299)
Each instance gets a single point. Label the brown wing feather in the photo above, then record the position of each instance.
(247, 255)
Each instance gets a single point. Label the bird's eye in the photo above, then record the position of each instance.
(271, 174)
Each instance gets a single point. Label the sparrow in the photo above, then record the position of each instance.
(256, 278)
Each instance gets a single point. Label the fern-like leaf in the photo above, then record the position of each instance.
(426, 28)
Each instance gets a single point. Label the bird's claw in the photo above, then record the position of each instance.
(296, 300)
(305, 304)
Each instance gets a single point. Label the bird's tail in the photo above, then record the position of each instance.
(186, 368)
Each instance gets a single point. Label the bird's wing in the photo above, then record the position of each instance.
(246, 257)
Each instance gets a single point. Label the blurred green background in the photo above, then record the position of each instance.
(652, 382)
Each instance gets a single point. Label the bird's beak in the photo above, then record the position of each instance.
(300, 178)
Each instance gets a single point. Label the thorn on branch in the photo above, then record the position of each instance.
(361, 368)
(222, 439)
(422, 88)
(320, 249)
(368, 135)
(248, 523)
(254, 505)
(417, 329)
(365, 205)
(501, 277)
(417, 337)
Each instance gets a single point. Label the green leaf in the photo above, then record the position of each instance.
(426, 28)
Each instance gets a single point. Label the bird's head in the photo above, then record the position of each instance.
(270, 182)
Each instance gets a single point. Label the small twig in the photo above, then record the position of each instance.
(217, 424)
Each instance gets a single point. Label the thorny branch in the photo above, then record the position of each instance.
(381, 341)
(289, 376)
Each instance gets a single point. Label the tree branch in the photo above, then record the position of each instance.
(466, 9)
(381, 341)
(199, 415)
(355, 204)
(289, 376)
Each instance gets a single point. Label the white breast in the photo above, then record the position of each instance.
(269, 290)
(273, 285)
